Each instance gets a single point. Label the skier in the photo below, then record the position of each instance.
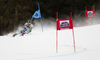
(27, 29)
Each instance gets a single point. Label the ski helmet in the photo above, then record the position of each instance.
(29, 22)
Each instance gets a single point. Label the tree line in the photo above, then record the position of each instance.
(12, 12)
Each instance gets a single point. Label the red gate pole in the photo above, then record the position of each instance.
(56, 33)
(86, 21)
(93, 7)
(73, 40)
(86, 15)
(73, 34)
(95, 20)
(71, 14)
(94, 15)
(56, 41)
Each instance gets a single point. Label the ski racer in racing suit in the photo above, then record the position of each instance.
(27, 29)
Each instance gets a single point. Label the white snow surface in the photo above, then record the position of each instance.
(42, 45)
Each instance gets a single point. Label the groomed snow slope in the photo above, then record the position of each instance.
(42, 45)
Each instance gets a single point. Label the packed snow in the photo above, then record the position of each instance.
(42, 45)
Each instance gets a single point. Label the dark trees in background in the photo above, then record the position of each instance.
(12, 12)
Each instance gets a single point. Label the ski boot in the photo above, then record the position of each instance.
(14, 35)
(22, 34)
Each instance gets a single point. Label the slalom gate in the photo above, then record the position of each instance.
(89, 13)
(64, 24)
